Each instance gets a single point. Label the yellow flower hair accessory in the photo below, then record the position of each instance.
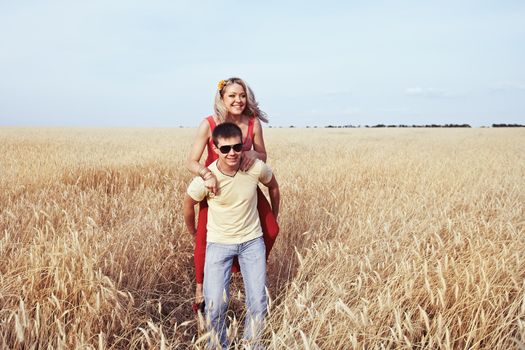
(221, 84)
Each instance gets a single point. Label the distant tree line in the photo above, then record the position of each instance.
(508, 126)
(412, 126)
(402, 126)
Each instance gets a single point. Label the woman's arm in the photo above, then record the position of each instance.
(258, 151)
(192, 162)
(258, 140)
(201, 139)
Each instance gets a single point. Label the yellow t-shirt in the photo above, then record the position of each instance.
(232, 214)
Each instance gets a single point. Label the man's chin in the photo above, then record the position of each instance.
(233, 163)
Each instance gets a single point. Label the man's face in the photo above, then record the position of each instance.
(233, 148)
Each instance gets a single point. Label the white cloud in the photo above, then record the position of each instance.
(392, 110)
(352, 111)
(429, 92)
(509, 86)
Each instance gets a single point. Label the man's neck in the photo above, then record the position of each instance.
(227, 169)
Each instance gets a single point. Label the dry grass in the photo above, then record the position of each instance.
(391, 238)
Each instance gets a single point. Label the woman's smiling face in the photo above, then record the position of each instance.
(234, 98)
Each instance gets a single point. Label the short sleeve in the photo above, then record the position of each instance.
(196, 189)
(266, 173)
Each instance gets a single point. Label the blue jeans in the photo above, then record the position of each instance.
(217, 273)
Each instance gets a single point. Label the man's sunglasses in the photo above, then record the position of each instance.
(226, 148)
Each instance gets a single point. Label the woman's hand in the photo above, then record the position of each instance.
(211, 183)
(248, 158)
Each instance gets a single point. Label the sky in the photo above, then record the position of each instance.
(156, 63)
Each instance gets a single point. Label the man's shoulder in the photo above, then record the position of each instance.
(213, 166)
(196, 189)
(260, 171)
(196, 183)
(262, 166)
(257, 167)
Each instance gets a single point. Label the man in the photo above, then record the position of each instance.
(234, 230)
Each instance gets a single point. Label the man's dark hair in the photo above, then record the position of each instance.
(225, 131)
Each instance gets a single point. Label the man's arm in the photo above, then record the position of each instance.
(275, 195)
(189, 213)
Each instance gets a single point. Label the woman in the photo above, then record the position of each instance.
(235, 103)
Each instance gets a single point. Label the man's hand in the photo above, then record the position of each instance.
(189, 214)
(275, 195)
(192, 231)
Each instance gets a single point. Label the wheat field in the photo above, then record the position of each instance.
(390, 239)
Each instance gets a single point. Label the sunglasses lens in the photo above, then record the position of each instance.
(226, 149)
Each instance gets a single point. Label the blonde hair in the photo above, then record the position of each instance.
(252, 106)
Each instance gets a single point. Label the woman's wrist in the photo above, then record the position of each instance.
(203, 171)
(259, 155)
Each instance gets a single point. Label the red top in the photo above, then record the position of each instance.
(247, 144)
